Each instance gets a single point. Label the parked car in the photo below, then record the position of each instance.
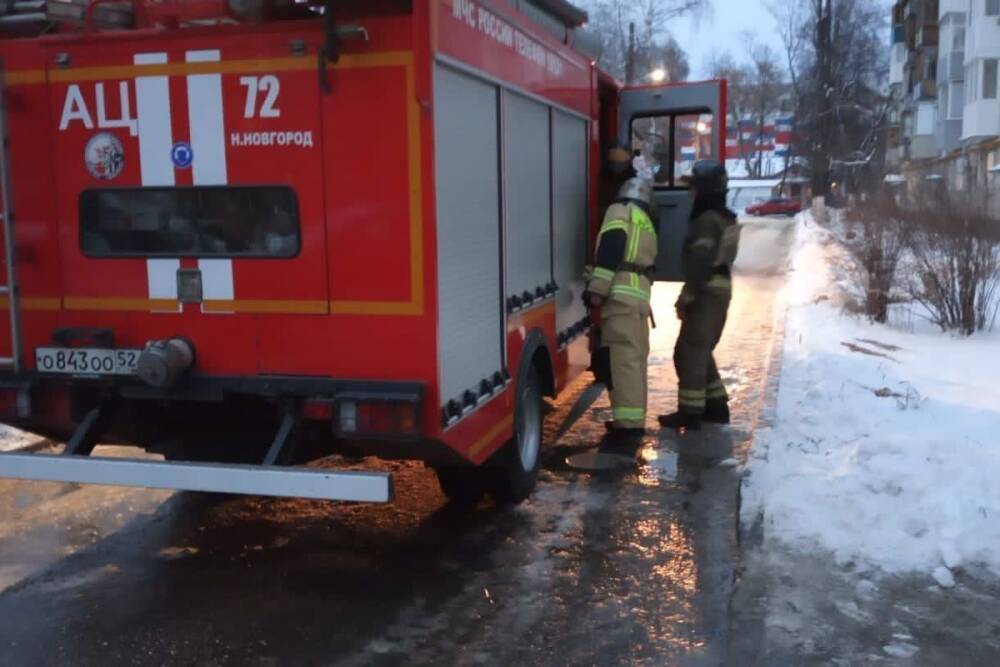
(776, 206)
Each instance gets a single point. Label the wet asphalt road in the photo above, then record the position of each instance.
(633, 567)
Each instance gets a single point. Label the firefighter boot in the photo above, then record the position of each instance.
(609, 426)
(622, 442)
(716, 412)
(687, 421)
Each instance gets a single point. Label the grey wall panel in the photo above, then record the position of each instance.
(470, 325)
(569, 206)
(526, 178)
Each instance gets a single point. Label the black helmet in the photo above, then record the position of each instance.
(708, 177)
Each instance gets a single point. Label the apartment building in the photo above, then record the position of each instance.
(913, 79)
(951, 74)
(981, 117)
(945, 83)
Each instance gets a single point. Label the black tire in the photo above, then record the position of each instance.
(510, 476)
(517, 462)
(463, 485)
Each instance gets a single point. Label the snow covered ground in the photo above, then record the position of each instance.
(885, 444)
(11, 438)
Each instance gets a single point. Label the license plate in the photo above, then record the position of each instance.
(86, 361)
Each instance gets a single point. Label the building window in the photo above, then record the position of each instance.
(958, 39)
(957, 98)
(993, 7)
(990, 78)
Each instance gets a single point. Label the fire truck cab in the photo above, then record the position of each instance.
(248, 235)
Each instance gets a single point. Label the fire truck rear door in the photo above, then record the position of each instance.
(670, 127)
(201, 158)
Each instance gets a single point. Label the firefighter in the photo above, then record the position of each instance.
(620, 284)
(707, 262)
(619, 170)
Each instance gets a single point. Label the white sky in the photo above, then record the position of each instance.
(722, 31)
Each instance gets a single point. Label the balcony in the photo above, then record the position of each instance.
(953, 7)
(981, 120)
(928, 36)
(925, 90)
(951, 67)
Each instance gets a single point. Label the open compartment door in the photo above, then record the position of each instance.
(669, 128)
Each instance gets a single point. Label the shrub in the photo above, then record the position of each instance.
(955, 249)
(876, 234)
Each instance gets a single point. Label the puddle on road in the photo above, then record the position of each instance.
(660, 466)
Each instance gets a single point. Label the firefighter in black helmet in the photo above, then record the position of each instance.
(707, 261)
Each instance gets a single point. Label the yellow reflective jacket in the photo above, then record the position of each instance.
(626, 255)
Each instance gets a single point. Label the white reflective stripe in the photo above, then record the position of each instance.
(293, 482)
(206, 118)
(152, 96)
(161, 274)
(217, 279)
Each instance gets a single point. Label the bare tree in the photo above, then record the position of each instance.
(756, 89)
(790, 18)
(836, 64)
(764, 89)
(877, 234)
(635, 35)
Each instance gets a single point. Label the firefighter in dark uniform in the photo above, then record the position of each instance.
(707, 262)
(620, 284)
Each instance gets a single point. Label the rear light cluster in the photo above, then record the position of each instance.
(15, 403)
(373, 417)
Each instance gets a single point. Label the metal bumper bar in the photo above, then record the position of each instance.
(258, 480)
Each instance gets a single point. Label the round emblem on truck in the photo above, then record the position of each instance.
(182, 155)
(104, 156)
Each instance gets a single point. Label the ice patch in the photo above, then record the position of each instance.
(950, 556)
(866, 590)
(12, 439)
(901, 650)
(944, 577)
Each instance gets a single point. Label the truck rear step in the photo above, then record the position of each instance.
(260, 480)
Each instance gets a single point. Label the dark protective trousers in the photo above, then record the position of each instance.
(701, 329)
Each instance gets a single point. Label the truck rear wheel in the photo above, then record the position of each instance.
(463, 485)
(519, 459)
(510, 476)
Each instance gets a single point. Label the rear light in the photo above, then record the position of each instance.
(317, 410)
(15, 403)
(377, 417)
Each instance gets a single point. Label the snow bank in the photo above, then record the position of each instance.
(885, 446)
(12, 439)
(757, 246)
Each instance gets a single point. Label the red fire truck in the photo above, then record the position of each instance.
(246, 234)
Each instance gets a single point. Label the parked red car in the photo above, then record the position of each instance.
(776, 206)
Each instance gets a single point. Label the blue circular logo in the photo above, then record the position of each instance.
(182, 155)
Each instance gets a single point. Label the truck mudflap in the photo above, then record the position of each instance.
(259, 480)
